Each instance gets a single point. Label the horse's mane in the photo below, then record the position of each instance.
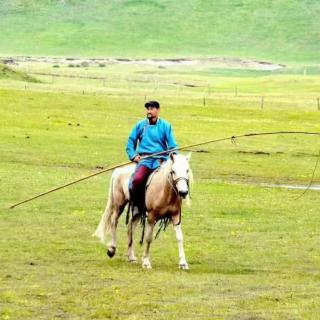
(166, 168)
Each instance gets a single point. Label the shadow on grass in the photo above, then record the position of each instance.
(159, 265)
(229, 270)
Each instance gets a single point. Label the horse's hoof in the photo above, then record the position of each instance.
(146, 264)
(111, 252)
(184, 266)
(132, 259)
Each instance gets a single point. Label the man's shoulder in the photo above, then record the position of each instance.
(164, 123)
(141, 123)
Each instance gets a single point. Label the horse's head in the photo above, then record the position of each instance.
(181, 173)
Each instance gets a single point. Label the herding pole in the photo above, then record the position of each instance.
(69, 184)
(232, 138)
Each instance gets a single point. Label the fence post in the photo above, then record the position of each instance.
(262, 102)
(204, 101)
(318, 102)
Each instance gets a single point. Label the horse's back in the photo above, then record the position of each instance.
(120, 179)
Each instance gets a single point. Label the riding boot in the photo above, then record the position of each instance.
(134, 204)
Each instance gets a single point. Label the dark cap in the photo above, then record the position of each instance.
(152, 104)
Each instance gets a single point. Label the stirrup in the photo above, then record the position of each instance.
(135, 211)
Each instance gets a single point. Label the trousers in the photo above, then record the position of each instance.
(138, 183)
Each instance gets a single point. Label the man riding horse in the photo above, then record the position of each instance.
(151, 135)
(164, 195)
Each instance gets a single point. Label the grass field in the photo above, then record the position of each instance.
(252, 250)
(279, 31)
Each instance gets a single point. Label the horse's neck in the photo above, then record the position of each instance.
(169, 191)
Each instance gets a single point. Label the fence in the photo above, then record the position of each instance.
(198, 93)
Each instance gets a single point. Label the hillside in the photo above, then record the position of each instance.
(9, 73)
(278, 31)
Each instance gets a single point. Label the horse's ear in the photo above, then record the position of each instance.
(188, 156)
(172, 154)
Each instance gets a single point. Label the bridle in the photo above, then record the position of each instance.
(173, 182)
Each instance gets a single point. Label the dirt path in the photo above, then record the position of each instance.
(219, 62)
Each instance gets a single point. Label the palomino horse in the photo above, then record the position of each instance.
(166, 189)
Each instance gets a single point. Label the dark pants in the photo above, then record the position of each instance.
(138, 184)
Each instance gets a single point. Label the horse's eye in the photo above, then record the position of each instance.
(172, 172)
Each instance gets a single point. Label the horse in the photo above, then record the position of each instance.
(166, 188)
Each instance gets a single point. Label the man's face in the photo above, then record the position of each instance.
(152, 113)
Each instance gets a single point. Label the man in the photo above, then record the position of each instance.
(149, 136)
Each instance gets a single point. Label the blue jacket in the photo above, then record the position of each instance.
(146, 138)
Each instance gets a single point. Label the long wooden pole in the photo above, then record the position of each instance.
(232, 138)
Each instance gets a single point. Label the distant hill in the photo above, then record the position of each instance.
(274, 30)
(9, 73)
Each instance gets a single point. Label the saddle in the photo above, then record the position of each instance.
(142, 209)
(150, 178)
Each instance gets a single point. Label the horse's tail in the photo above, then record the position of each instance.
(107, 219)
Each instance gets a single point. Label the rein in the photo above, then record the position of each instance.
(164, 222)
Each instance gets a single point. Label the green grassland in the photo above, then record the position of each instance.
(278, 31)
(252, 250)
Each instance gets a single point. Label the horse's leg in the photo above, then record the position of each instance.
(182, 259)
(112, 245)
(146, 256)
(116, 212)
(131, 229)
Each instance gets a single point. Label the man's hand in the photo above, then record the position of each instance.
(136, 159)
